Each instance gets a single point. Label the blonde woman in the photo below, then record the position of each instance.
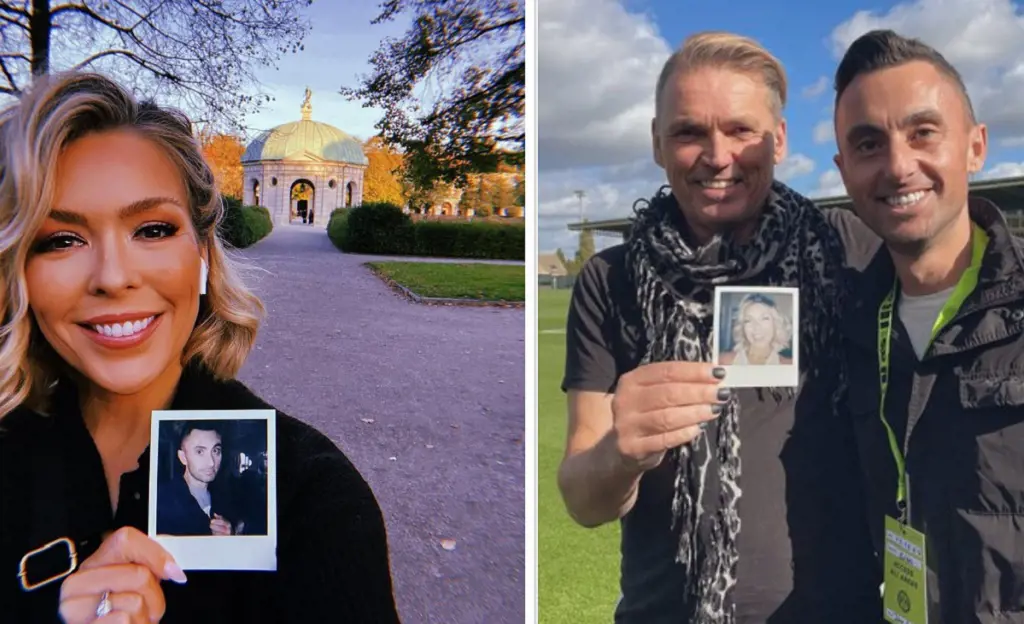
(760, 332)
(117, 299)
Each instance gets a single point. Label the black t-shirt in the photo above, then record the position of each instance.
(804, 550)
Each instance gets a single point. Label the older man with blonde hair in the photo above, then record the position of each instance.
(715, 531)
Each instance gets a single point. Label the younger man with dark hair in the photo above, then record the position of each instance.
(935, 340)
(188, 505)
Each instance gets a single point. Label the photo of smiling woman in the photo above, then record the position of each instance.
(117, 299)
(760, 332)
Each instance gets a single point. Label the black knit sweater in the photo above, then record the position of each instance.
(332, 545)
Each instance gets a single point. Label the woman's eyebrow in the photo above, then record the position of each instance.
(136, 207)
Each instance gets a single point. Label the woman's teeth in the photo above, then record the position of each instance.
(119, 330)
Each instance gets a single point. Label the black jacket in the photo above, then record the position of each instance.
(332, 557)
(958, 415)
(179, 513)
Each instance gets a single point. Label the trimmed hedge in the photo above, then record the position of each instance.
(242, 226)
(383, 229)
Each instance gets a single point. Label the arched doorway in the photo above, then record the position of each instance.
(255, 192)
(302, 200)
(350, 191)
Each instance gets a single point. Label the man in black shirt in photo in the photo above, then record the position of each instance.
(189, 504)
(735, 505)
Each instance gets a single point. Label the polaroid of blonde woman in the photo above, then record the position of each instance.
(756, 336)
(212, 488)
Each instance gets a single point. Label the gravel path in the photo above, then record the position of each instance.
(444, 389)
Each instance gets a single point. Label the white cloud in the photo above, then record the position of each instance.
(983, 39)
(824, 132)
(598, 67)
(596, 76)
(794, 166)
(814, 90)
(1002, 170)
(830, 184)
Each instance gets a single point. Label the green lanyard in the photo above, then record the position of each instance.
(968, 281)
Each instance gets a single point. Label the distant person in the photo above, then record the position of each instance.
(119, 299)
(187, 504)
(760, 332)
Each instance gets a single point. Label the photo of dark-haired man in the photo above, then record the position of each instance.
(190, 503)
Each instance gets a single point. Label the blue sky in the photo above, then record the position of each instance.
(599, 60)
(336, 53)
(337, 49)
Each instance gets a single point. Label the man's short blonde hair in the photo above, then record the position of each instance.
(724, 50)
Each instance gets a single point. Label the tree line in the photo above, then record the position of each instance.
(384, 179)
(203, 57)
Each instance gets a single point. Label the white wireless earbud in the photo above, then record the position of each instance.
(203, 275)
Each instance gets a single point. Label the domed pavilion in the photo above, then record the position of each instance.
(303, 170)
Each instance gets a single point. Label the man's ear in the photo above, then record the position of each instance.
(181, 457)
(656, 144)
(781, 146)
(977, 149)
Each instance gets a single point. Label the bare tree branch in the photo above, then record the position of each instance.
(200, 54)
(12, 85)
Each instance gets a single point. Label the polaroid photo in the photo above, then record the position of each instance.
(756, 336)
(213, 488)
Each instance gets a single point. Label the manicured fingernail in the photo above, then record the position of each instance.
(718, 372)
(175, 573)
(724, 394)
(716, 409)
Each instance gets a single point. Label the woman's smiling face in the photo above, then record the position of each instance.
(113, 274)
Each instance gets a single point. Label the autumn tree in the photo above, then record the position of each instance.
(585, 248)
(382, 178)
(502, 194)
(485, 196)
(224, 152)
(200, 54)
(470, 55)
(468, 199)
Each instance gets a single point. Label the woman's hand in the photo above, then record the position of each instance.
(128, 565)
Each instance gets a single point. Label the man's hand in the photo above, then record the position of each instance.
(220, 526)
(661, 406)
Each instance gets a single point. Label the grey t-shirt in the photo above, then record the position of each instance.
(805, 555)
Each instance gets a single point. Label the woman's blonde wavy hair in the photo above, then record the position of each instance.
(783, 326)
(57, 110)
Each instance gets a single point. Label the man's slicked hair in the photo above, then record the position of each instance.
(725, 50)
(884, 49)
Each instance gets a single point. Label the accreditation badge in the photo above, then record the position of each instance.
(905, 597)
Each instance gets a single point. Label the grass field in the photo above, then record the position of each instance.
(578, 568)
(491, 282)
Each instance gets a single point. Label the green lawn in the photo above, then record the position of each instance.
(578, 571)
(474, 280)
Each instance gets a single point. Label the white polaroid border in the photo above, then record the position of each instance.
(228, 552)
(759, 376)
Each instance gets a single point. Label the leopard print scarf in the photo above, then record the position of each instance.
(794, 246)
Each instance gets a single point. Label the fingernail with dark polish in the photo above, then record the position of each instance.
(718, 372)
(724, 394)
(716, 409)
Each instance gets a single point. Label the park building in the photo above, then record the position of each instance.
(303, 170)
